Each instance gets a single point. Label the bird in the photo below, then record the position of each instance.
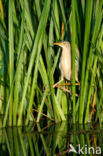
(65, 64)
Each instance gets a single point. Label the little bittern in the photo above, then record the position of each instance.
(65, 64)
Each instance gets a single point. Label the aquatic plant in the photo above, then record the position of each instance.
(29, 61)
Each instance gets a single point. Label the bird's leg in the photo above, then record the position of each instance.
(60, 86)
(57, 83)
(67, 87)
(69, 84)
(63, 88)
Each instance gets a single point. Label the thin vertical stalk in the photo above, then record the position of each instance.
(92, 78)
(55, 15)
(22, 142)
(95, 33)
(57, 109)
(42, 104)
(30, 145)
(36, 145)
(18, 72)
(85, 50)
(7, 142)
(73, 54)
(7, 106)
(43, 141)
(16, 141)
(34, 80)
(41, 29)
(11, 56)
(28, 17)
(62, 11)
(45, 35)
(90, 89)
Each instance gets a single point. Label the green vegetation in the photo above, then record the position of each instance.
(29, 61)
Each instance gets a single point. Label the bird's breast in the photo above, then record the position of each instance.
(65, 64)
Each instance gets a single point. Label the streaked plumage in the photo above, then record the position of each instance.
(65, 64)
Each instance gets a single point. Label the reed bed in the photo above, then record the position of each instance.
(29, 61)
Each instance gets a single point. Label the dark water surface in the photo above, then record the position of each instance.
(52, 140)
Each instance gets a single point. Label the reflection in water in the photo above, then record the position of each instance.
(52, 140)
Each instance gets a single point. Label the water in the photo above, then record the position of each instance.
(52, 140)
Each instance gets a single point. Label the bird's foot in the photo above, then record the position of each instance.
(57, 83)
(65, 89)
(54, 85)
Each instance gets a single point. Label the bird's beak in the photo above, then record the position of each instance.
(58, 43)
